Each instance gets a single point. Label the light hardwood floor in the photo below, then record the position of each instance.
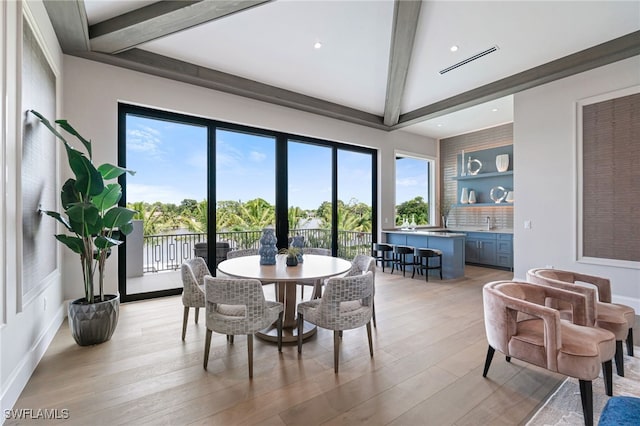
(429, 350)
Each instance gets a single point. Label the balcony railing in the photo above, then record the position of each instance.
(168, 252)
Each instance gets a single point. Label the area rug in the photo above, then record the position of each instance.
(564, 407)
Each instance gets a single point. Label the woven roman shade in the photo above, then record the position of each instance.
(611, 179)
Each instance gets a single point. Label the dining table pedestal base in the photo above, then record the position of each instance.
(289, 335)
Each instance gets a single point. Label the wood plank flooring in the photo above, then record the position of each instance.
(429, 350)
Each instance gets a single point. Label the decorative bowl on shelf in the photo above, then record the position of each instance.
(502, 162)
(497, 194)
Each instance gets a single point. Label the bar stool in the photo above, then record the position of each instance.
(424, 254)
(400, 258)
(379, 253)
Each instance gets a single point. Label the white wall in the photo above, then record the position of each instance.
(26, 327)
(545, 152)
(94, 90)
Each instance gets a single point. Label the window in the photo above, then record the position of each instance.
(414, 190)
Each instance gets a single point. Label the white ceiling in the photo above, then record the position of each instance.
(273, 44)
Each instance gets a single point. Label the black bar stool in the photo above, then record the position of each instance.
(400, 258)
(422, 256)
(379, 253)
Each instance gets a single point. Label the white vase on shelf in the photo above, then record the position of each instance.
(509, 197)
(502, 162)
(464, 196)
(472, 197)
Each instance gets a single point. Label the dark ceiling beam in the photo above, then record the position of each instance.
(405, 24)
(158, 20)
(162, 66)
(606, 53)
(69, 20)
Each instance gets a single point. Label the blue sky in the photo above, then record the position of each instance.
(170, 164)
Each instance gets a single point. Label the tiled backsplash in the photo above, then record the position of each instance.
(501, 217)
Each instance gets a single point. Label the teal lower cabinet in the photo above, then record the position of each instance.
(489, 248)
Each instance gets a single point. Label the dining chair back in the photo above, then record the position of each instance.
(346, 304)
(193, 272)
(362, 264)
(237, 306)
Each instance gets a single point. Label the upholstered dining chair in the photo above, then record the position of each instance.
(519, 325)
(242, 252)
(193, 272)
(618, 319)
(362, 264)
(316, 284)
(346, 304)
(237, 306)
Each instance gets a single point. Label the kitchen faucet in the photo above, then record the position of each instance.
(488, 223)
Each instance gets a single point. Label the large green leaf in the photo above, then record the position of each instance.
(117, 217)
(74, 243)
(66, 126)
(85, 219)
(50, 127)
(109, 171)
(108, 198)
(126, 228)
(89, 181)
(69, 195)
(59, 218)
(103, 242)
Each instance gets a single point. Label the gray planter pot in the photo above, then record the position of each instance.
(94, 323)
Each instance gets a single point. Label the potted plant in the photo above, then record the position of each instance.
(444, 212)
(292, 255)
(95, 224)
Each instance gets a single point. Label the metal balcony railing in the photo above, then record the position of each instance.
(168, 252)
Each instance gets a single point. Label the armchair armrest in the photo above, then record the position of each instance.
(552, 330)
(603, 285)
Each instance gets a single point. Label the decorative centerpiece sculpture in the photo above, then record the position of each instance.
(268, 249)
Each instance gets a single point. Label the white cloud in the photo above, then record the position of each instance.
(144, 139)
(407, 182)
(257, 157)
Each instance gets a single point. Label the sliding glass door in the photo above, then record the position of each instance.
(205, 188)
(245, 170)
(169, 194)
(309, 193)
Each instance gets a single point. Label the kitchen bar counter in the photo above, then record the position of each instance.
(450, 243)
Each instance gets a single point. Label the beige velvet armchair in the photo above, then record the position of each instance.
(601, 313)
(520, 325)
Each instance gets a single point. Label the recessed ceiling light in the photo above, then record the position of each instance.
(317, 45)
(439, 124)
(454, 48)
(495, 110)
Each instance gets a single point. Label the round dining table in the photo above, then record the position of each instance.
(313, 268)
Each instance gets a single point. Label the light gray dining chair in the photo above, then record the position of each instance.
(346, 304)
(237, 306)
(242, 252)
(316, 284)
(362, 264)
(193, 272)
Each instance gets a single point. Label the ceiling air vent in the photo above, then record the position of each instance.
(472, 58)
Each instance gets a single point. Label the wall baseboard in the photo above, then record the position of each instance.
(21, 375)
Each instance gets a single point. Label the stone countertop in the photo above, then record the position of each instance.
(452, 231)
(435, 232)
